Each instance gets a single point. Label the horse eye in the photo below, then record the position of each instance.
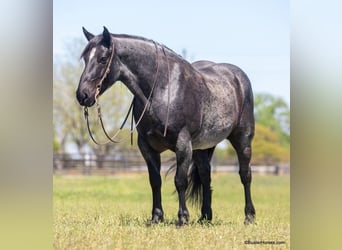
(103, 60)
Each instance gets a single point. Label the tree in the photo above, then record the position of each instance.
(68, 118)
(267, 148)
(274, 113)
(67, 114)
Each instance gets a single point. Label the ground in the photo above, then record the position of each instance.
(111, 212)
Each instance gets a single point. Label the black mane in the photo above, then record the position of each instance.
(97, 39)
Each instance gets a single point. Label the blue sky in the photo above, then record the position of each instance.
(255, 35)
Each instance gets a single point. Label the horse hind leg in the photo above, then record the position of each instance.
(200, 180)
(241, 141)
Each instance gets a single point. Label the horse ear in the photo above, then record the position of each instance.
(106, 37)
(87, 34)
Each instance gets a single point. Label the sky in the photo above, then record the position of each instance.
(254, 35)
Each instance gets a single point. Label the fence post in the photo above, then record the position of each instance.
(87, 164)
(276, 170)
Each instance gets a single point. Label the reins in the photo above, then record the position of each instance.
(168, 93)
(133, 128)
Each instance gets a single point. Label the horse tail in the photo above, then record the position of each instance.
(194, 190)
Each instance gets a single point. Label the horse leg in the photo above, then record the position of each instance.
(202, 160)
(183, 157)
(241, 141)
(152, 159)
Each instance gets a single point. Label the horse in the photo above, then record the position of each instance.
(178, 106)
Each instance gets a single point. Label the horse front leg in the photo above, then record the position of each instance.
(152, 159)
(183, 156)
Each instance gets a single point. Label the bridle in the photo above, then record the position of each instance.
(133, 128)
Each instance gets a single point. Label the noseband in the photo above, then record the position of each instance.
(133, 128)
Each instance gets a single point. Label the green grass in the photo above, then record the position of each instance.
(112, 213)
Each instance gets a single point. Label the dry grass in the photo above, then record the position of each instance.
(111, 213)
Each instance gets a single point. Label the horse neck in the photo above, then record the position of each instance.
(139, 62)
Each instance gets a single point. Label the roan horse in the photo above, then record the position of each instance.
(182, 107)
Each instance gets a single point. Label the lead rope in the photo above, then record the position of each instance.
(132, 124)
(113, 138)
(168, 94)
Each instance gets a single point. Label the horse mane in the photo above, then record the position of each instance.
(164, 47)
(142, 39)
(96, 40)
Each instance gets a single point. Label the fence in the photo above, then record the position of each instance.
(90, 164)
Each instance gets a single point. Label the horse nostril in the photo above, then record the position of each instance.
(82, 97)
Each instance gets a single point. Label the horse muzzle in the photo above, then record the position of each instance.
(85, 98)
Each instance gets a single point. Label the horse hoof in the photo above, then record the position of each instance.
(155, 220)
(157, 216)
(180, 225)
(204, 222)
(182, 221)
(249, 219)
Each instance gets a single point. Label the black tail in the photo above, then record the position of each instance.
(194, 191)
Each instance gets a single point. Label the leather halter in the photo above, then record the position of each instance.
(133, 128)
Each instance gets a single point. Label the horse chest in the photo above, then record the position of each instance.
(156, 140)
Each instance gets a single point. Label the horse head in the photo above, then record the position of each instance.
(98, 73)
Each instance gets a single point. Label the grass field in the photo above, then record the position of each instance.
(93, 212)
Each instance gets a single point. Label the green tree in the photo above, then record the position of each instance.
(67, 114)
(267, 148)
(274, 113)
